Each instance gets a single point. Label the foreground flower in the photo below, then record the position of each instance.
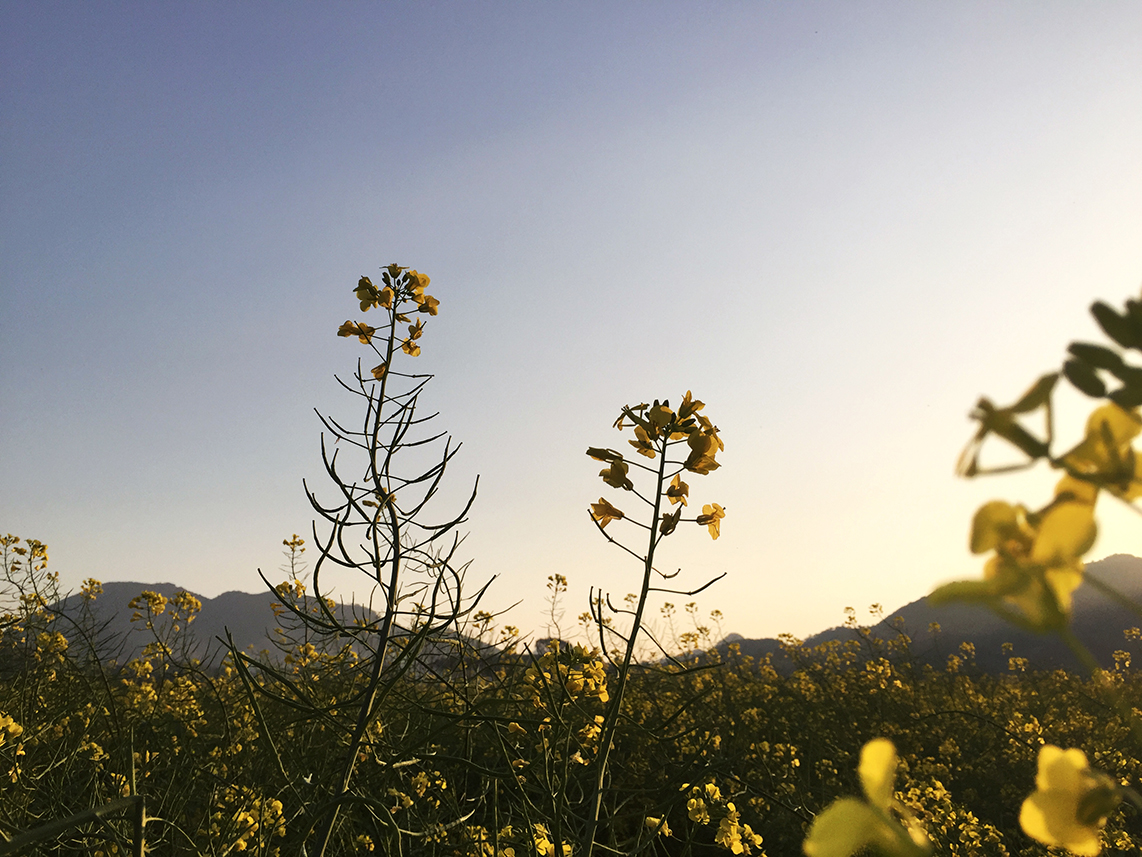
(1036, 563)
(848, 825)
(1070, 804)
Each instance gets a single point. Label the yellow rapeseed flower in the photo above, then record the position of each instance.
(604, 512)
(711, 517)
(848, 825)
(1070, 804)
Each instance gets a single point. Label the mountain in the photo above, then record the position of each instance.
(249, 617)
(1097, 621)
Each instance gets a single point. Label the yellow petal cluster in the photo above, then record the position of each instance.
(1071, 802)
(1036, 561)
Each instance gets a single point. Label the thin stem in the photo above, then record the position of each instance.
(615, 710)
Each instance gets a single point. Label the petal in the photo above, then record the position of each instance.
(1049, 817)
(1066, 531)
(989, 524)
(843, 828)
(1123, 425)
(877, 771)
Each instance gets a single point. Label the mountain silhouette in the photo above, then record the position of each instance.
(1097, 620)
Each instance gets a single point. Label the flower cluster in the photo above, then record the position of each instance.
(575, 671)
(657, 428)
(402, 294)
(706, 806)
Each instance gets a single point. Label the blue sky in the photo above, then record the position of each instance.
(837, 223)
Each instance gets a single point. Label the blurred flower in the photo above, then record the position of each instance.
(1070, 804)
(848, 825)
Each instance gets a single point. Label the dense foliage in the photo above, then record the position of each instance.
(224, 771)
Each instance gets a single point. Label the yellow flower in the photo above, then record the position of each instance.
(642, 442)
(603, 454)
(677, 491)
(1070, 803)
(359, 329)
(711, 517)
(658, 825)
(417, 282)
(696, 810)
(604, 512)
(848, 825)
(703, 448)
(1036, 566)
(428, 304)
(616, 475)
(410, 348)
(689, 406)
(366, 293)
(660, 415)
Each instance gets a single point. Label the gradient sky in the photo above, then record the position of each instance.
(837, 223)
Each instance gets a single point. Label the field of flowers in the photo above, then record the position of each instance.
(424, 727)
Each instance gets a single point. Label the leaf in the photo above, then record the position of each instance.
(1125, 331)
(1084, 378)
(1127, 397)
(1098, 356)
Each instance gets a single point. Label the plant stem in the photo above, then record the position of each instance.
(614, 712)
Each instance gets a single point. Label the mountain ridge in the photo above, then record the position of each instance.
(1097, 621)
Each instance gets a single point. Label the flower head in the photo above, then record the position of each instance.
(711, 517)
(1070, 804)
(603, 512)
(677, 491)
(848, 825)
(359, 329)
(616, 475)
(1036, 565)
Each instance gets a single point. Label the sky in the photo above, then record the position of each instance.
(838, 224)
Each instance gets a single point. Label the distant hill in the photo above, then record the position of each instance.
(1097, 621)
(249, 617)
